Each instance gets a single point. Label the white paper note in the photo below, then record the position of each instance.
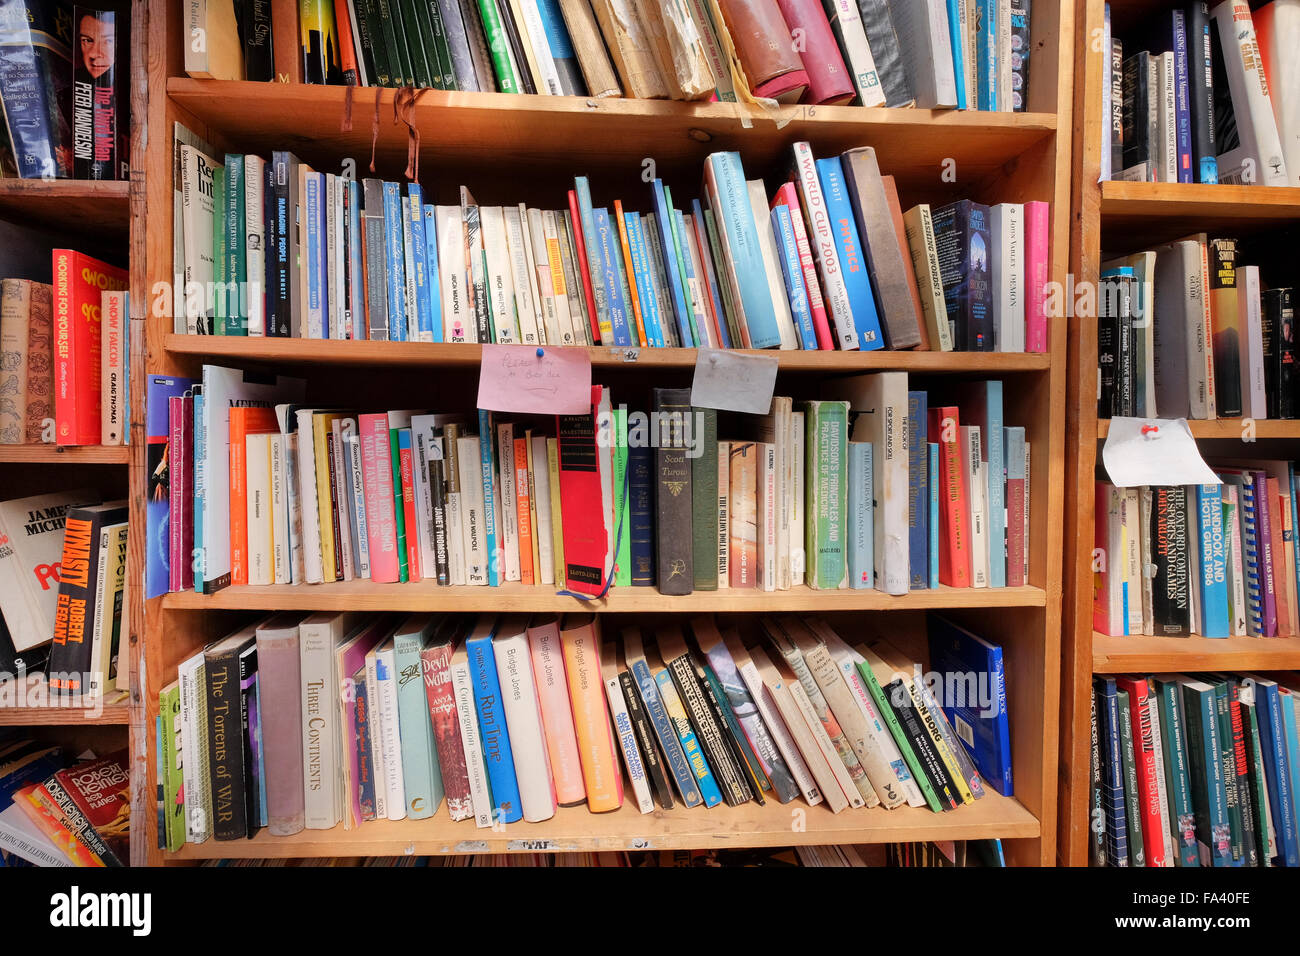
(1154, 451)
(734, 382)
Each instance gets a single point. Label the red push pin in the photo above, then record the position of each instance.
(1150, 429)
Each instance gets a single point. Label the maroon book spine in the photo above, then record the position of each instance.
(175, 464)
(279, 678)
(829, 81)
(435, 662)
(187, 493)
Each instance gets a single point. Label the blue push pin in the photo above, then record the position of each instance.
(540, 353)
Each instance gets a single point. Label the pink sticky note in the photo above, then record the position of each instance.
(540, 380)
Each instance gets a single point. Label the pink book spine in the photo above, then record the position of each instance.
(185, 479)
(1015, 532)
(175, 443)
(1038, 221)
(351, 661)
(787, 196)
(557, 714)
(377, 479)
(279, 684)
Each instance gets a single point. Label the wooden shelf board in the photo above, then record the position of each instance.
(1117, 655)
(1134, 215)
(86, 206)
(575, 829)
(1229, 428)
(428, 596)
(608, 133)
(109, 714)
(55, 454)
(367, 353)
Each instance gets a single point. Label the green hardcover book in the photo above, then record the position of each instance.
(1136, 854)
(1258, 783)
(236, 270)
(219, 248)
(171, 808)
(1182, 816)
(437, 50)
(622, 504)
(399, 510)
(498, 46)
(372, 33)
(421, 772)
(419, 43)
(720, 267)
(1223, 708)
(704, 502)
(398, 61)
(1096, 813)
(825, 488)
(900, 737)
(1205, 771)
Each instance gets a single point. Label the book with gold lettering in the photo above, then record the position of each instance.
(75, 606)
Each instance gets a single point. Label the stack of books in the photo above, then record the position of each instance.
(1193, 771)
(829, 260)
(963, 54)
(311, 722)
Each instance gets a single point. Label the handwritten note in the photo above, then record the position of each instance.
(549, 380)
(1154, 451)
(733, 381)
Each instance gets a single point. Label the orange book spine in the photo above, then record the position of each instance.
(53, 828)
(600, 772)
(631, 275)
(243, 422)
(524, 508)
(954, 537)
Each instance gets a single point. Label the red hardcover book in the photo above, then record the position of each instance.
(406, 458)
(435, 663)
(580, 247)
(1144, 755)
(582, 515)
(954, 535)
(79, 281)
(788, 196)
(829, 82)
(524, 510)
(377, 480)
(100, 794)
(245, 420)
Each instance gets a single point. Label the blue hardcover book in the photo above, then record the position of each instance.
(959, 52)
(711, 280)
(848, 245)
(981, 724)
(159, 389)
(683, 265)
(1213, 562)
(365, 745)
(693, 289)
(735, 221)
(933, 474)
(1210, 799)
(497, 755)
(431, 257)
(1277, 768)
(420, 258)
(645, 291)
(665, 733)
(699, 766)
(640, 482)
(236, 258)
(200, 487)
(39, 42)
(1112, 773)
(257, 749)
(672, 274)
(1182, 93)
(918, 489)
(660, 310)
(862, 529)
(986, 52)
(1292, 736)
(595, 257)
(792, 272)
(421, 773)
(609, 276)
(488, 471)
(394, 247)
(982, 406)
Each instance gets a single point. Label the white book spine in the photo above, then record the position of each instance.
(1008, 235)
(331, 317)
(968, 19)
(261, 568)
(559, 289)
(471, 510)
(858, 54)
(1284, 81)
(541, 268)
(353, 462)
(344, 541)
(798, 559)
(521, 280)
(978, 505)
(1251, 351)
(480, 798)
(456, 309)
(386, 681)
(338, 262)
(824, 745)
(1168, 119)
(524, 724)
(538, 319)
(1238, 577)
(542, 500)
(767, 515)
(1130, 522)
(1259, 158)
(724, 514)
(771, 264)
(375, 722)
(1004, 57)
(785, 743)
(320, 739)
(922, 29)
(423, 439)
(313, 568)
(627, 743)
(95, 680)
(509, 524)
(820, 234)
(501, 292)
(255, 242)
(19, 836)
(279, 512)
(550, 77)
(194, 744)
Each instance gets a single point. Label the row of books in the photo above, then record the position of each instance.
(830, 260)
(965, 54)
(64, 84)
(1204, 93)
(1185, 330)
(1193, 770)
(879, 487)
(63, 809)
(63, 592)
(64, 355)
(294, 723)
(1220, 560)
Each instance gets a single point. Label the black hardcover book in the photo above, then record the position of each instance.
(286, 318)
(650, 756)
(369, 33)
(13, 663)
(1240, 768)
(1127, 745)
(1096, 815)
(399, 65)
(673, 540)
(1116, 107)
(526, 81)
(1223, 709)
(882, 39)
(1108, 324)
(83, 88)
(441, 48)
(419, 43)
(900, 700)
(1253, 749)
(961, 235)
(1170, 598)
(438, 493)
(458, 46)
(1279, 352)
(1020, 47)
(1226, 137)
(1137, 106)
(259, 64)
(1228, 321)
(478, 46)
(101, 126)
(270, 262)
(1126, 371)
(712, 737)
(704, 501)
(78, 601)
(746, 762)
(641, 480)
(226, 739)
(376, 258)
(249, 719)
(36, 47)
(1205, 167)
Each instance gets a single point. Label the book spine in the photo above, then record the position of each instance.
(476, 773)
(226, 746)
(679, 766)
(690, 745)
(627, 738)
(441, 696)
(733, 787)
(861, 530)
(673, 548)
(850, 255)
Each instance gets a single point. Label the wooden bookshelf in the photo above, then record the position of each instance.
(87, 206)
(70, 454)
(513, 148)
(112, 715)
(1116, 218)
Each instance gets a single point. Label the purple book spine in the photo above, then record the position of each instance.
(175, 444)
